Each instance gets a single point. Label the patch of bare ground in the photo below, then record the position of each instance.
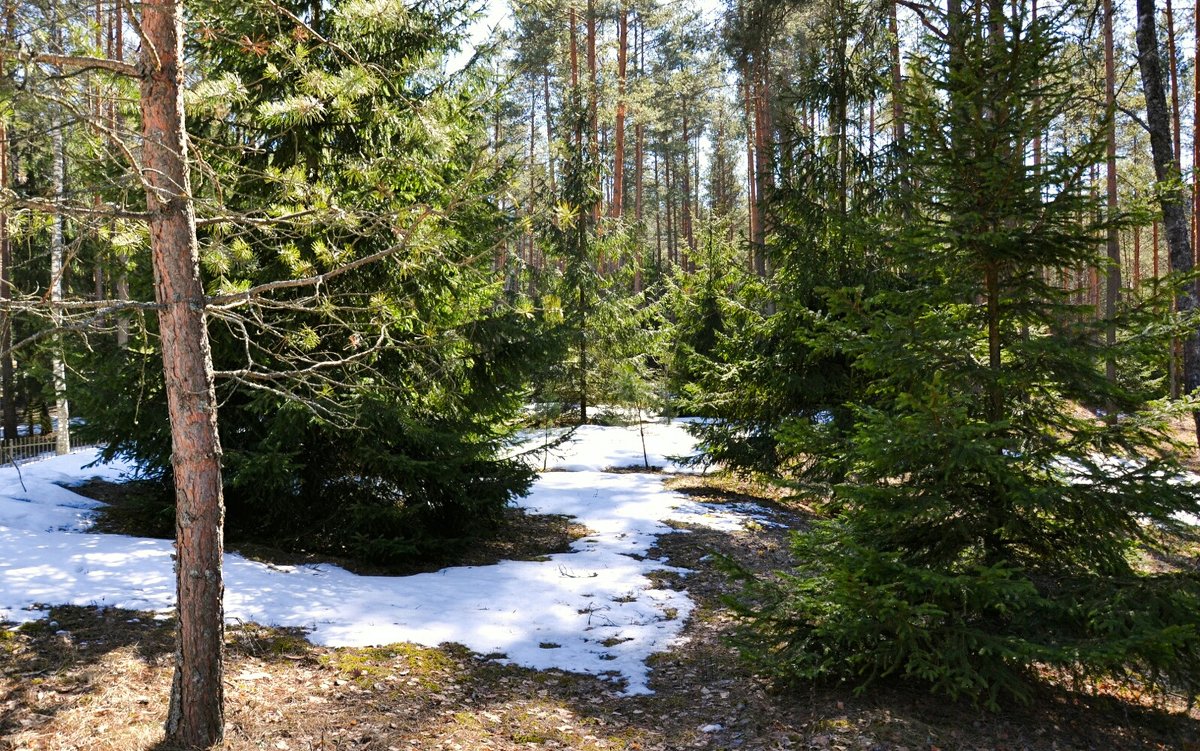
(1183, 430)
(97, 681)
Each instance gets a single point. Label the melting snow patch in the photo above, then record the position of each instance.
(600, 604)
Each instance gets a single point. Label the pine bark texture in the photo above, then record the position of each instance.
(196, 716)
(1174, 203)
(1113, 273)
(618, 200)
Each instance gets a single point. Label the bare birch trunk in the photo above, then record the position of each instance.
(58, 368)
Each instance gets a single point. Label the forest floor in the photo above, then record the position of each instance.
(97, 680)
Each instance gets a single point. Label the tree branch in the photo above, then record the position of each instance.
(88, 63)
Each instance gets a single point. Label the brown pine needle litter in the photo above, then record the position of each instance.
(97, 680)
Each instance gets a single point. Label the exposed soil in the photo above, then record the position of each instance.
(98, 680)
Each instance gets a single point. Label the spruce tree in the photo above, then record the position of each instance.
(980, 523)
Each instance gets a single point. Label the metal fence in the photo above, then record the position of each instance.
(27, 448)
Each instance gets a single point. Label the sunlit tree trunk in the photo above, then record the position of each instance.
(593, 104)
(1113, 273)
(685, 217)
(549, 129)
(1175, 203)
(58, 368)
(196, 716)
(618, 201)
(897, 77)
(755, 259)
(7, 380)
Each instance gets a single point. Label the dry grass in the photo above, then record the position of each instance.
(98, 681)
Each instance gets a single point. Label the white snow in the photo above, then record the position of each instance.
(597, 448)
(552, 613)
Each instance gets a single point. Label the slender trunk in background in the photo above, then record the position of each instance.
(618, 202)
(897, 78)
(871, 131)
(686, 217)
(657, 217)
(1037, 137)
(583, 379)
(549, 129)
(843, 116)
(1113, 272)
(122, 283)
(1137, 257)
(1173, 69)
(533, 92)
(761, 167)
(1154, 242)
(755, 262)
(574, 44)
(1175, 203)
(196, 715)
(695, 205)
(639, 136)
(668, 208)
(593, 105)
(97, 115)
(58, 251)
(765, 132)
(1196, 136)
(58, 368)
(7, 380)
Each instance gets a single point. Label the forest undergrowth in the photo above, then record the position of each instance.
(96, 679)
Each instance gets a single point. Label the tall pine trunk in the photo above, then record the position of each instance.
(1113, 272)
(755, 259)
(1175, 203)
(196, 715)
(593, 106)
(618, 201)
(1196, 136)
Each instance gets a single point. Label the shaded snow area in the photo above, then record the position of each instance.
(593, 610)
(597, 448)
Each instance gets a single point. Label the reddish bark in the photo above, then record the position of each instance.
(618, 200)
(1113, 272)
(1173, 72)
(196, 715)
(1137, 257)
(751, 161)
(593, 104)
